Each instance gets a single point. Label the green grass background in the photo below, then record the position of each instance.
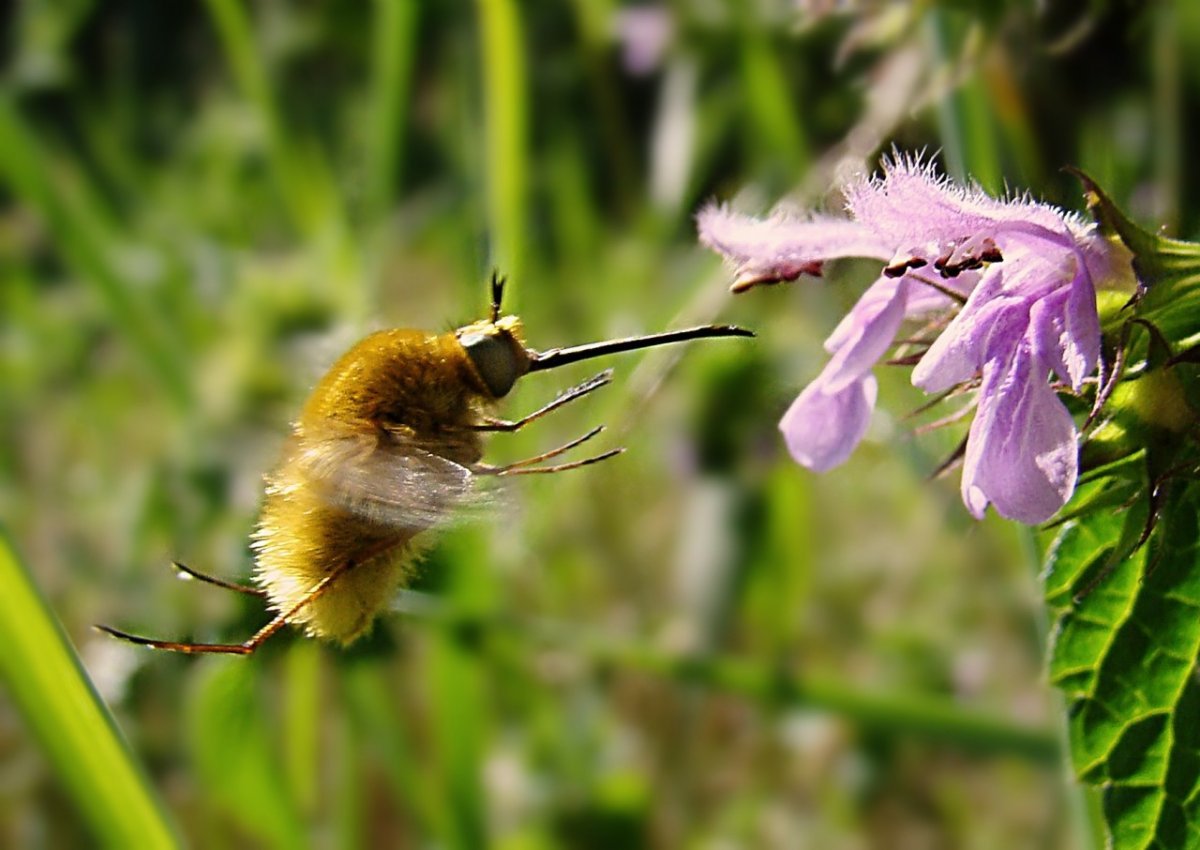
(697, 644)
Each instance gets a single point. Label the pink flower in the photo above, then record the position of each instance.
(1023, 274)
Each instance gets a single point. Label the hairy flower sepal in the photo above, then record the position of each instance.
(1011, 284)
(1167, 270)
(1148, 416)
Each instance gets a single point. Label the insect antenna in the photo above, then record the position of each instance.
(497, 295)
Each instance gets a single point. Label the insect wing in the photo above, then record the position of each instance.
(385, 479)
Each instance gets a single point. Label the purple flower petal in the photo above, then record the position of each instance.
(781, 247)
(865, 333)
(1021, 453)
(822, 429)
(911, 204)
(924, 299)
(1065, 331)
(958, 353)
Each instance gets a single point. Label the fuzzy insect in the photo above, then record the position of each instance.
(387, 447)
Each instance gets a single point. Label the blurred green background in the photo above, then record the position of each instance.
(697, 644)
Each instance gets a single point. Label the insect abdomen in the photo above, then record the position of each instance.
(300, 540)
(398, 385)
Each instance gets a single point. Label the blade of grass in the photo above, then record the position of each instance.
(770, 101)
(457, 690)
(782, 562)
(919, 716)
(593, 24)
(392, 54)
(389, 95)
(966, 125)
(504, 114)
(460, 714)
(54, 695)
(350, 798)
(301, 722)
(1167, 108)
(299, 166)
(1009, 104)
(369, 701)
(303, 180)
(78, 233)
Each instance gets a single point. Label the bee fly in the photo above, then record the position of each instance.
(386, 448)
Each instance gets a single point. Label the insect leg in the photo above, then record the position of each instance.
(249, 646)
(590, 385)
(560, 467)
(228, 585)
(175, 646)
(526, 466)
(246, 647)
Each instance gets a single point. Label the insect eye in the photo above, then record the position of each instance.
(494, 359)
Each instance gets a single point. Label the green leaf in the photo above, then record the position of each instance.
(1125, 647)
(47, 684)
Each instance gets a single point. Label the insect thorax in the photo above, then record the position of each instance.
(408, 382)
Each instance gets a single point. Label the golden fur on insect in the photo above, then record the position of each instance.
(401, 387)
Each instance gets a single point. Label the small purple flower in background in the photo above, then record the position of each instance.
(1011, 284)
(645, 34)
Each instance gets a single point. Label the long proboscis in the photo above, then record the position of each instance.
(554, 357)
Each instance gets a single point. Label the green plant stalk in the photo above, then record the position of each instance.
(461, 722)
(505, 117)
(392, 53)
(234, 753)
(593, 18)
(364, 686)
(923, 717)
(457, 687)
(929, 718)
(53, 693)
(301, 724)
(1167, 108)
(303, 180)
(770, 100)
(966, 124)
(387, 106)
(350, 802)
